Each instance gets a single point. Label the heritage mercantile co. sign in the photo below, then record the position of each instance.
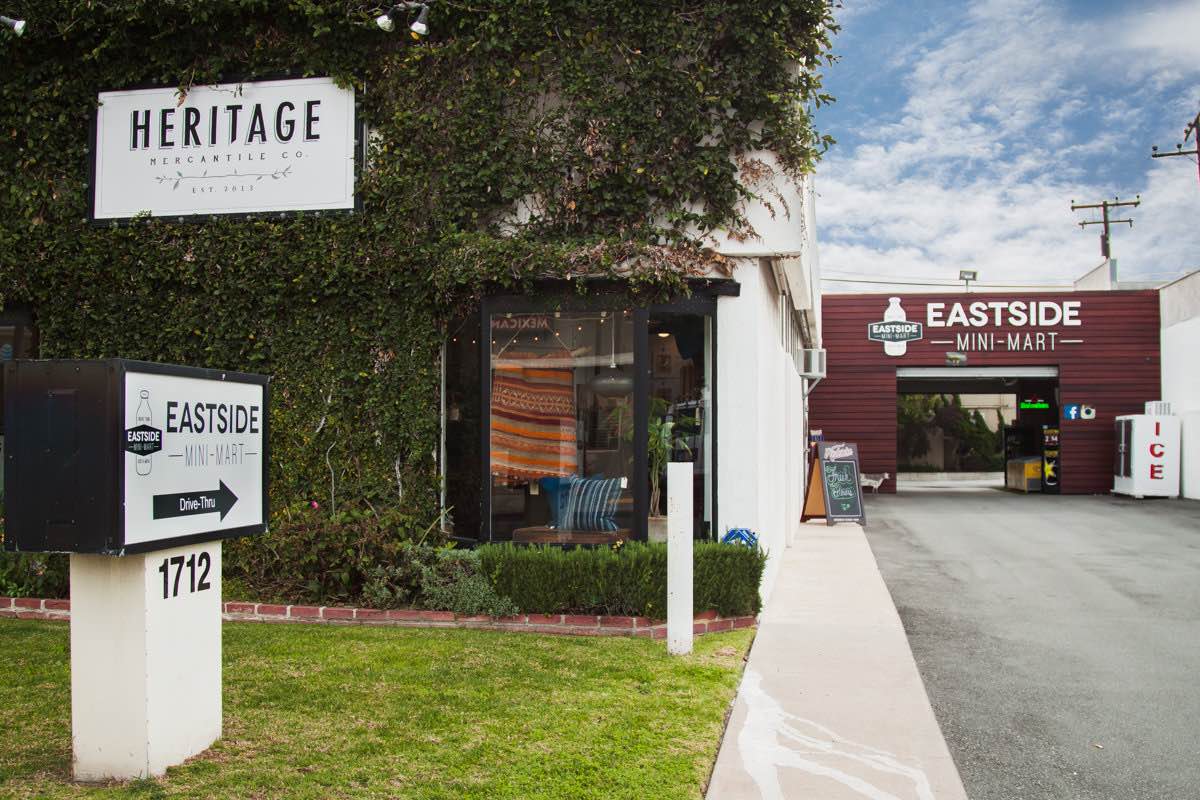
(239, 148)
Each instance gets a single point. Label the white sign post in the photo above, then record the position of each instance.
(145, 666)
(679, 557)
(138, 471)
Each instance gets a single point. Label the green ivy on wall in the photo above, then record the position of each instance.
(611, 122)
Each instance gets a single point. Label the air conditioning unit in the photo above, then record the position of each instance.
(812, 364)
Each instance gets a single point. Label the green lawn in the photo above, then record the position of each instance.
(331, 712)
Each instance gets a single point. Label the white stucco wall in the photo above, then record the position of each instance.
(1180, 309)
(776, 215)
(1103, 278)
(761, 428)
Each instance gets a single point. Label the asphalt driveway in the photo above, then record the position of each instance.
(1058, 637)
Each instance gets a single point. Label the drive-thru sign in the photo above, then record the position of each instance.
(120, 457)
(138, 471)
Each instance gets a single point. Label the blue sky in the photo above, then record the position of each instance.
(965, 129)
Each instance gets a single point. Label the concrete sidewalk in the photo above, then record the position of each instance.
(831, 705)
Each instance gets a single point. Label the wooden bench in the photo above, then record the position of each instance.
(543, 534)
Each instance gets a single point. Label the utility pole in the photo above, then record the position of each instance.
(1105, 248)
(1193, 127)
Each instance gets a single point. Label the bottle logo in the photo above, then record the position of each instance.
(894, 331)
(143, 440)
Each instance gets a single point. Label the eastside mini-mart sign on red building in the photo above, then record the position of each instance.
(1104, 346)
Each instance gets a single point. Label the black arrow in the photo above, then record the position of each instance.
(185, 504)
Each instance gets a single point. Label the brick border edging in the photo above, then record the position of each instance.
(566, 624)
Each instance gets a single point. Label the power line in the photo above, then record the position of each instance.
(1193, 127)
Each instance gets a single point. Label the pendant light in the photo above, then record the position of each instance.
(612, 381)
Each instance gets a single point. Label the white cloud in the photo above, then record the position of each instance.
(978, 167)
(1168, 34)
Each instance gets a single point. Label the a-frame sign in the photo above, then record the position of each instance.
(834, 493)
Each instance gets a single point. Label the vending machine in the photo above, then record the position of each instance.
(1146, 456)
(1051, 463)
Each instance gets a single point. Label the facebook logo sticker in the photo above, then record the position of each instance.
(1071, 411)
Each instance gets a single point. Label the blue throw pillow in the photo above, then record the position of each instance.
(591, 505)
(556, 490)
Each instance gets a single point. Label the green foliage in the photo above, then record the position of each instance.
(627, 580)
(34, 575)
(662, 440)
(397, 583)
(914, 416)
(433, 577)
(307, 557)
(454, 583)
(614, 121)
(976, 446)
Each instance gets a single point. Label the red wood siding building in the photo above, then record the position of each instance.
(1105, 346)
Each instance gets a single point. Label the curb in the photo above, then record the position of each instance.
(560, 624)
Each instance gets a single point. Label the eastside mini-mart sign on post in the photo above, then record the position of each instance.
(237, 148)
(118, 457)
(137, 470)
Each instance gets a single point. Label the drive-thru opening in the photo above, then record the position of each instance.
(1011, 416)
(1072, 362)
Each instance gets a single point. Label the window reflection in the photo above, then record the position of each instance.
(561, 427)
(680, 427)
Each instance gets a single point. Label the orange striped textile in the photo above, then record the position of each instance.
(533, 420)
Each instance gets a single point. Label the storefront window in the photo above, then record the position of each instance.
(561, 426)
(680, 426)
(559, 421)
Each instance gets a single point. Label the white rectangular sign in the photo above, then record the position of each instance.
(271, 146)
(194, 456)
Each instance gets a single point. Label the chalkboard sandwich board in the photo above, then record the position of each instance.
(834, 491)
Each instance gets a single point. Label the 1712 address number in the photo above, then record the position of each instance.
(193, 562)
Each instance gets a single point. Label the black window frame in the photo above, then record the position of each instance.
(563, 296)
(20, 318)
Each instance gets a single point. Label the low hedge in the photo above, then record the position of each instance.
(362, 561)
(628, 580)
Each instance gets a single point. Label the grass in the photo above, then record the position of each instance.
(340, 712)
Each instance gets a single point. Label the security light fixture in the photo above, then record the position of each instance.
(955, 359)
(419, 27)
(17, 25)
(967, 275)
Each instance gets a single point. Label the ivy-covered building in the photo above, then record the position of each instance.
(499, 273)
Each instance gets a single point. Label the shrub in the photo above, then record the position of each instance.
(454, 583)
(309, 556)
(626, 580)
(398, 584)
(34, 575)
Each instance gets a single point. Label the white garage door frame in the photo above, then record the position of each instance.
(976, 372)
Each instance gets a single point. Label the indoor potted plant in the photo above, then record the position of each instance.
(661, 441)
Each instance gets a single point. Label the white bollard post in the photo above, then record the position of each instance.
(145, 660)
(679, 557)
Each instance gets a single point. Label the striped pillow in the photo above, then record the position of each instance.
(591, 505)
